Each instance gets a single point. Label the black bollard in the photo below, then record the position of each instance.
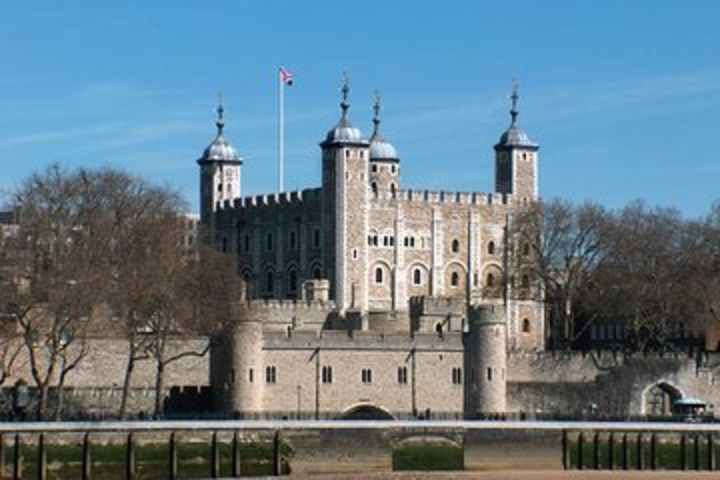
(683, 452)
(625, 452)
(564, 450)
(581, 446)
(130, 458)
(236, 455)
(640, 459)
(172, 457)
(87, 458)
(42, 457)
(215, 457)
(653, 451)
(17, 463)
(697, 451)
(596, 451)
(710, 452)
(276, 453)
(611, 451)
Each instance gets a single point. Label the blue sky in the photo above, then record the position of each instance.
(623, 97)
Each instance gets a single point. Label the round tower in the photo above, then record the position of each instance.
(486, 354)
(246, 372)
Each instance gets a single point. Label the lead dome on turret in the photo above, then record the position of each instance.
(515, 136)
(344, 131)
(220, 150)
(380, 148)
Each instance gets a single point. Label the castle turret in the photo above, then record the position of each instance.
(516, 159)
(246, 375)
(344, 210)
(486, 361)
(220, 168)
(384, 160)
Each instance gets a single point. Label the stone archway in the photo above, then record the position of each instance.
(366, 411)
(658, 399)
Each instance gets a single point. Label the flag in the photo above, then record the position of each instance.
(286, 77)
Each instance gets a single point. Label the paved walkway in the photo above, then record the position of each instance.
(520, 475)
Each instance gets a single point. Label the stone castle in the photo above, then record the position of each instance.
(367, 299)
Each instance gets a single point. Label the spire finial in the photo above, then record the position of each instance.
(514, 98)
(376, 109)
(345, 90)
(220, 110)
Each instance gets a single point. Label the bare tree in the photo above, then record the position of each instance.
(560, 247)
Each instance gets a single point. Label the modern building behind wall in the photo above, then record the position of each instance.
(363, 293)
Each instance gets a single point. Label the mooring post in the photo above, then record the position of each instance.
(42, 458)
(17, 465)
(596, 451)
(625, 452)
(697, 451)
(215, 457)
(172, 454)
(683, 452)
(710, 452)
(87, 458)
(580, 446)
(565, 450)
(130, 458)
(611, 451)
(653, 451)
(236, 454)
(276, 453)
(640, 459)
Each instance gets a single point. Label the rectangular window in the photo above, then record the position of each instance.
(293, 240)
(246, 243)
(457, 376)
(316, 238)
(366, 375)
(327, 374)
(270, 375)
(402, 375)
(250, 375)
(489, 374)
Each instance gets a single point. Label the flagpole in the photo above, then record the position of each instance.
(281, 132)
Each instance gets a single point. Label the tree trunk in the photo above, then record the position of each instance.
(126, 384)
(43, 402)
(159, 387)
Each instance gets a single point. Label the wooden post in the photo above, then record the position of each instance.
(236, 455)
(580, 446)
(596, 451)
(42, 458)
(683, 452)
(653, 451)
(130, 458)
(710, 452)
(625, 452)
(173, 457)
(611, 451)
(87, 458)
(276, 454)
(564, 450)
(640, 459)
(17, 464)
(214, 457)
(697, 452)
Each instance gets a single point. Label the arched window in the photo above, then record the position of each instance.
(491, 248)
(454, 279)
(526, 325)
(270, 282)
(269, 242)
(378, 275)
(316, 273)
(525, 282)
(224, 245)
(374, 187)
(490, 280)
(526, 249)
(417, 277)
(455, 245)
(393, 190)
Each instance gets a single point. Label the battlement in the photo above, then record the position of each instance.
(462, 198)
(272, 305)
(362, 340)
(428, 305)
(283, 199)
